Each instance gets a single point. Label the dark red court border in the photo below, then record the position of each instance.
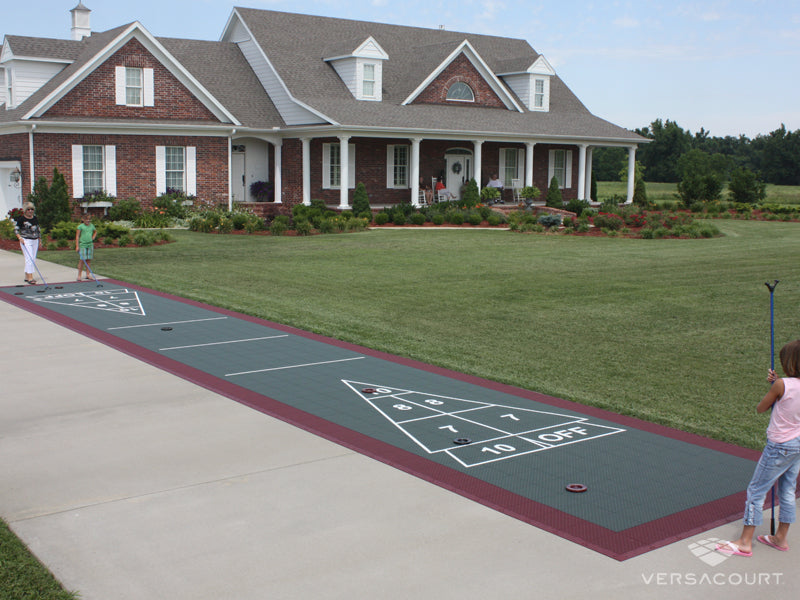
(620, 545)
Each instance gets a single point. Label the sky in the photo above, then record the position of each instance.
(729, 67)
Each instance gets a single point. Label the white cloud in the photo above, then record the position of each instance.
(626, 22)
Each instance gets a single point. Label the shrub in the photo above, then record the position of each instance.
(474, 218)
(64, 230)
(494, 220)
(455, 217)
(171, 204)
(489, 194)
(417, 218)
(326, 225)
(549, 221)
(608, 221)
(399, 218)
(278, 227)
(577, 206)
(554, 198)
(125, 210)
(437, 219)
(302, 227)
(746, 187)
(143, 238)
(471, 195)
(360, 199)
(124, 239)
(381, 218)
(111, 230)
(262, 191)
(7, 230)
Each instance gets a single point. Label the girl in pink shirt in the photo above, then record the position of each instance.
(780, 460)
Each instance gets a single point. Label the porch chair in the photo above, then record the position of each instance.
(516, 188)
(421, 200)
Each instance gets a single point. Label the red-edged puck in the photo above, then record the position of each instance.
(576, 488)
(368, 390)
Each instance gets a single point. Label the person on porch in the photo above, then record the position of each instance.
(494, 182)
(442, 191)
(426, 189)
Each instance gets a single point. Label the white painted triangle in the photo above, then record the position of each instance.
(440, 424)
(118, 300)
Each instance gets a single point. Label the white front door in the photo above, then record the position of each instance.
(238, 190)
(10, 188)
(458, 171)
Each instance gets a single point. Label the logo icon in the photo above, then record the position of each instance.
(706, 550)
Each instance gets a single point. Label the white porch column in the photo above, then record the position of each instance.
(478, 158)
(306, 171)
(631, 173)
(414, 160)
(582, 172)
(344, 172)
(529, 163)
(277, 180)
(588, 194)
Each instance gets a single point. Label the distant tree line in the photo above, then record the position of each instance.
(773, 158)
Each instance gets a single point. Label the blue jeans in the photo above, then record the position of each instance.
(781, 463)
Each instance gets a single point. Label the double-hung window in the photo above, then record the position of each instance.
(368, 81)
(332, 166)
(538, 93)
(134, 86)
(560, 167)
(176, 169)
(509, 166)
(94, 169)
(397, 166)
(93, 164)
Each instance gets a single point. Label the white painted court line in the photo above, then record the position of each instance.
(270, 337)
(167, 323)
(326, 362)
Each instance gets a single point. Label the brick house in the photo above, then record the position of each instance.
(131, 114)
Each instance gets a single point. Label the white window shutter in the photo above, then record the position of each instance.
(119, 85)
(148, 85)
(568, 168)
(161, 170)
(77, 171)
(326, 166)
(110, 168)
(191, 171)
(351, 172)
(390, 166)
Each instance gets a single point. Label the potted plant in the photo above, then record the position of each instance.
(489, 195)
(261, 191)
(529, 194)
(99, 198)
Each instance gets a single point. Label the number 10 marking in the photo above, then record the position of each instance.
(498, 449)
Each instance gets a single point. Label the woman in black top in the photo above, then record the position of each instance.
(27, 229)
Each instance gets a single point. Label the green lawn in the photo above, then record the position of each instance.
(666, 192)
(671, 331)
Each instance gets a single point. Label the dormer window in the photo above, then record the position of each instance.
(460, 92)
(368, 81)
(538, 94)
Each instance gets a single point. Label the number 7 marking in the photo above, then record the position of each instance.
(450, 428)
(510, 416)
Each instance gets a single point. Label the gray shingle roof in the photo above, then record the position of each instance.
(297, 44)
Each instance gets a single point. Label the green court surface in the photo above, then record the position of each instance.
(513, 450)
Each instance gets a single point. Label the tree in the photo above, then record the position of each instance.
(361, 200)
(746, 187)
(52, 203)
(661, 155)
(471, 195)
(606, 162)
(553, 197)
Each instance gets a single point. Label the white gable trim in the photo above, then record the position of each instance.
(472, 55)
(135, 30)
(541, 67)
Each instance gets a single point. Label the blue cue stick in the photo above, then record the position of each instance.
(771, 289)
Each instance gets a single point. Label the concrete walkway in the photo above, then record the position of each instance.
(130, 483)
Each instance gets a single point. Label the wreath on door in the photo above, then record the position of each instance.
(457, 168)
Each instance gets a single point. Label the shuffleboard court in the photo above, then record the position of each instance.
(611, 483)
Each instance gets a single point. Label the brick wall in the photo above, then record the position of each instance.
(95, 96)
(461, 69)
(136, 162)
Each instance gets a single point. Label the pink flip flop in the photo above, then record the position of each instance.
(764, 539)
(731, 549)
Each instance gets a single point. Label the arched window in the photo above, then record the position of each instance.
(460, 91)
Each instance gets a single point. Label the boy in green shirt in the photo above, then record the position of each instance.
(84, 245)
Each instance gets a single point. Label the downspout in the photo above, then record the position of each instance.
(230, 173)
(30, 155)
